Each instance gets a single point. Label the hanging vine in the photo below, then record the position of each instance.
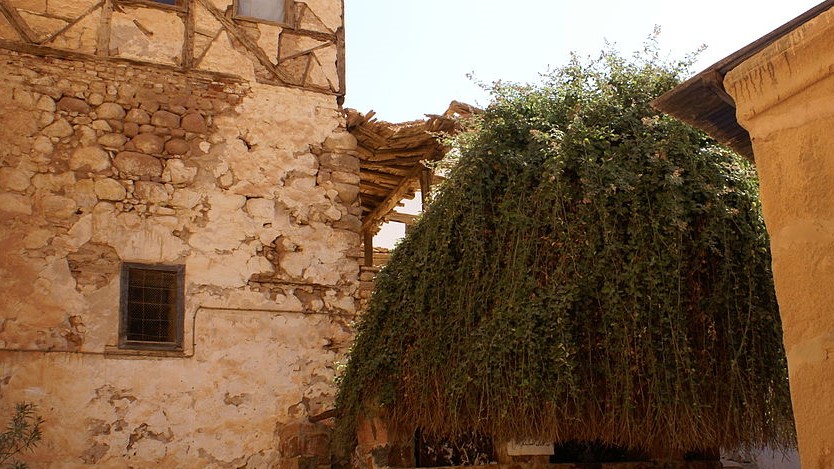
(590, 270)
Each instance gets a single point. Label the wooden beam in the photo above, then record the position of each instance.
(72, 23)
(403, 154)
(369, 248)
(18, 23)
(425, 187)
(372, 219)
(374, 185)
(399, 217)
(377, 176)
(188, 36)
(241, 36)
(103, 34)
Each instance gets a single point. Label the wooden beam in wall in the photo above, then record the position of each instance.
(188, 41)
(18, 23)
(241, 36)
(103, 39)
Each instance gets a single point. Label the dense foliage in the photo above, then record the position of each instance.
(590, 270)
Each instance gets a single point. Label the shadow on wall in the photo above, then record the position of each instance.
(766, 459)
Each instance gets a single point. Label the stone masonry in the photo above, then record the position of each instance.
(229, 167)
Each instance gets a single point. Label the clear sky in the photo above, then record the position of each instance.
(406, 59)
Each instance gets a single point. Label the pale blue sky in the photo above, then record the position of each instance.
(406, 59)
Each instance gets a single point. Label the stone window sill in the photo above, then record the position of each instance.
(112, 351)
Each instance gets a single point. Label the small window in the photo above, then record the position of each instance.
(275, 11)
(152, 306)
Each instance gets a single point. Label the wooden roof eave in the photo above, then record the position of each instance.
(702, 100)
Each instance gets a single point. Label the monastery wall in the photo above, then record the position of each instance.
(127, 140)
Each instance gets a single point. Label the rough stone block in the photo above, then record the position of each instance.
(340, 162)
(185, 198)
(131, 129)
(45, 103)
(83, 193)
(57, 206)
(110, 111)
(14, 203)
(13, 179)
(73, 105)
(43, 145)
(165, 119)
(177, 146)
(109, 189)
(91, 158)
(151, 192)
(340, 141)
(113, 141)
(194, 123)
(148, 143)
(60, 128)
(138, 116)
(101, 125)
(177, 172)
(138, 164)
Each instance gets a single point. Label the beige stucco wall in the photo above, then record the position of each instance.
(785, 99)
(250, 183)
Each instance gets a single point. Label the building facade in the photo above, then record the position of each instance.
(180, 228)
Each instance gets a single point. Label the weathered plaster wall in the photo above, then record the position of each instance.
(785, 99)
(253, 187)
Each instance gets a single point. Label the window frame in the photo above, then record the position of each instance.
(289, 15)
(177, 343)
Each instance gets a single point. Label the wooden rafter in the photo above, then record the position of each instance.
(372, 219)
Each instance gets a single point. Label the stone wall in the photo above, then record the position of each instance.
(252, 187)
(785, 99)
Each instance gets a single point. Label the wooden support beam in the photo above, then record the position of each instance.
(369, 248)
(377, 176)
(241, 36)
(72, 23)
(18, 23)
(188, 36)
(425, 187)
(363, 184)
(103, 34)
(399, 217)
(372, 219)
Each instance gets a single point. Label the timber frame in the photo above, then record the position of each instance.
(392, 161)
(293, 68)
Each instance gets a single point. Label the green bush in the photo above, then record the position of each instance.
(23, 433)
(590, 270)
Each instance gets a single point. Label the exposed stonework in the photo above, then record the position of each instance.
(105, 161)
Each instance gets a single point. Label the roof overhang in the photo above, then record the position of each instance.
(392, 157)
(703, 102)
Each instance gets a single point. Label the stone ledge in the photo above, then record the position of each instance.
(114, 352)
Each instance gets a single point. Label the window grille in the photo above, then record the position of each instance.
(152, 306)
